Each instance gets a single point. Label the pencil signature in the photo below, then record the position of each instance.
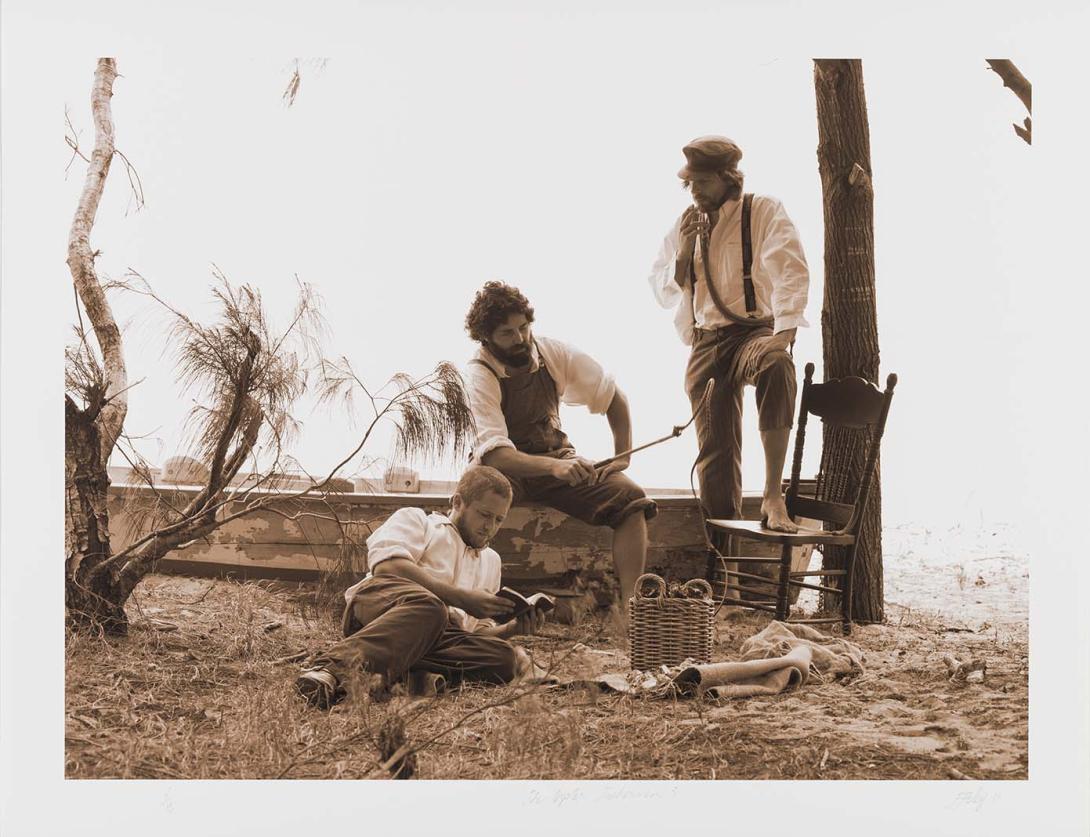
(974, 800)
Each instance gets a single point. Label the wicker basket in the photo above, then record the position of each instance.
(668, 630)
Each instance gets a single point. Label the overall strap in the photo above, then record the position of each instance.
(747, 254)
(503, 390)
(487, 366)
(499, 380)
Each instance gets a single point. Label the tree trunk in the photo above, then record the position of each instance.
(849, 320)
(92, 595)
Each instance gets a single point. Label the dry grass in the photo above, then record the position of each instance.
(201, 689)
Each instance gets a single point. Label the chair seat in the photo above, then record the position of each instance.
(752, 530)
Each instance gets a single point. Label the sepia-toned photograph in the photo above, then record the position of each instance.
(579, 395)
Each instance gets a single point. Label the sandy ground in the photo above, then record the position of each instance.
(201, 688)
(952, 594)
(961, 593)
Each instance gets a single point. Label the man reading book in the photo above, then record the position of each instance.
(429, 602)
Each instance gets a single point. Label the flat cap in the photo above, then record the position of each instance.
(707, 154)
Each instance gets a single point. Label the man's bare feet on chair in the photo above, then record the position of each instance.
(775, 515)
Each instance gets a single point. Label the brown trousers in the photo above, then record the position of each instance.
(394, 626)
(732, 355)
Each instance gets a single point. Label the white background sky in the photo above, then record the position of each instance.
(421, 164)
(440, 148)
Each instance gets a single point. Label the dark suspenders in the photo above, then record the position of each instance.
(747, 268)
(747, 254)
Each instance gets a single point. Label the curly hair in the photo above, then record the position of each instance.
(491, 307)
(734, 177)
(478, 480)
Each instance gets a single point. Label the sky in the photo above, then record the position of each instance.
(416, 168)
(442, 146)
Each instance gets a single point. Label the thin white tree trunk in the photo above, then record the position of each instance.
(92, 431)
(81, 262)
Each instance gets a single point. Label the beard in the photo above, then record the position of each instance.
(517, 356)
(477, 541)
(473, 539)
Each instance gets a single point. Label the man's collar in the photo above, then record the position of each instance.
(446, 521)
(498, 365)
(727, 207)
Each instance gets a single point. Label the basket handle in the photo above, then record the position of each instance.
(699, 584)
(660, 586)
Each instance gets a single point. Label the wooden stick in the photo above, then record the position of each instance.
(677, 431)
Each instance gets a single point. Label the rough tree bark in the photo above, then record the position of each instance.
(849, 320)
(1020, 86)
(91, 431)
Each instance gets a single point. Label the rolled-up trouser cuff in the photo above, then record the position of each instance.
(643, 504)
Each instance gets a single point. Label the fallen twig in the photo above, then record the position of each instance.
(291, 658)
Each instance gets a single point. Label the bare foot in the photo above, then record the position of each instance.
(776, 517)
(526, 670)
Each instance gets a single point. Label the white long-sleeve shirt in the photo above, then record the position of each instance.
(781, 279)
(432, 542)
(580, 381)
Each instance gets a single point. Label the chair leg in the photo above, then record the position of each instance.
(846, 594)
(711, 566)
(785, 577)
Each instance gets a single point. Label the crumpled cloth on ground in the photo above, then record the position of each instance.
(779, 657)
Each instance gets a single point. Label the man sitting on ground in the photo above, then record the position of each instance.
(428, 603)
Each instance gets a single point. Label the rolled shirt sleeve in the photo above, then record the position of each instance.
(403, 535)
(782, 259)
(580, 379)
(661, 279)
(483, 389)
(667, 292)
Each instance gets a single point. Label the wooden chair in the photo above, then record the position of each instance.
(858, 411)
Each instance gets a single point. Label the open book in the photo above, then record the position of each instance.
(522, 603)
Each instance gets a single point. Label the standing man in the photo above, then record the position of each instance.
(734, 267)
(429, 602)
(516, 383)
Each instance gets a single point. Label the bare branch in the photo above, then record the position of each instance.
(246, 444)
(135, 183)
(71, 139)
(144, 515)
(292, 89)
(1013, 80)
(1020, 86)
(1026, 132)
